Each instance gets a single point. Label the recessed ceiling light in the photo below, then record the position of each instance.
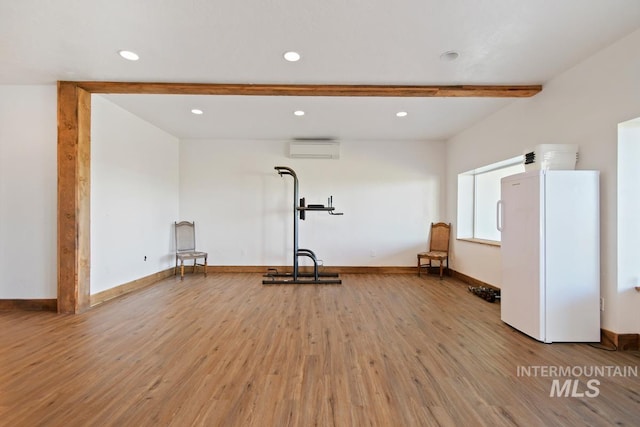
(292, 56)
(299, 113)
(127, 54)
(401, 114)
(450, 55)
(197, 112)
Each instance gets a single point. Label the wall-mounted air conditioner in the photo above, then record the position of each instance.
(310, 149)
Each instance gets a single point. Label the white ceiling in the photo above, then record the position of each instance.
(341, 42)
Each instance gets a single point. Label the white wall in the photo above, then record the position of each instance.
(28, 204)
(581, 106)
(389, 193)
(629, 222)
(134, 196)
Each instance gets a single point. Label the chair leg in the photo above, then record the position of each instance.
(181, 269)
(205, 266)
(441, 265)
(418, 266)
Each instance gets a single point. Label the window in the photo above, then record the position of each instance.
(478, 195)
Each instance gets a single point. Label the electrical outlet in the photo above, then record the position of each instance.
(373, 254)
(601, 304)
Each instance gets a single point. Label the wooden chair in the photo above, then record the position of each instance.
(186, 247)
(438, 247)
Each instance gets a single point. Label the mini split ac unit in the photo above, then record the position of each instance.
(309, 149)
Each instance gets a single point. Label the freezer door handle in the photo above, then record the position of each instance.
(499, 215)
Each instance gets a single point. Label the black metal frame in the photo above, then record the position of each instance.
(299, 212)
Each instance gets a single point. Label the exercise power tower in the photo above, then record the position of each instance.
(273, 277)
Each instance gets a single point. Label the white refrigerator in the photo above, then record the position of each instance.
(550, 231)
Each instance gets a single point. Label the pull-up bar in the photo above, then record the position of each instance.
(299, 211)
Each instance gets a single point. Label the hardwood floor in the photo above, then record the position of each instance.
(379, 350)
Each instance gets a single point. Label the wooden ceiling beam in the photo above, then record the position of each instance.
(460, 91)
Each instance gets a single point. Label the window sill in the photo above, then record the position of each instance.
(480, 241)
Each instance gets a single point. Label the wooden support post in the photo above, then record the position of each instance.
(74, 154)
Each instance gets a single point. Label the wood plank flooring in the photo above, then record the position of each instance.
(378, 350)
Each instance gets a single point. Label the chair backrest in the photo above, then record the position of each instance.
(440, 233)
(185, 236)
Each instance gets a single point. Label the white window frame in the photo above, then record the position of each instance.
(467, 228)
